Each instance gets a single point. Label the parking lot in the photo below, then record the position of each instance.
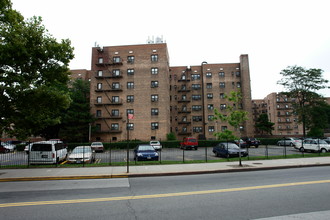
(20, 158)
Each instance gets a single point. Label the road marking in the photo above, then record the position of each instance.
(59, 202)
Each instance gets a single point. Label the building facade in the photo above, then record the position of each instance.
(137, 80)
(279, 111)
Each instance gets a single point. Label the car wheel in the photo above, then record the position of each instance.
(7, 151)
(227, 155)
(257, 146)
(323, 150)
(196, 148)
(279, 144)
(291, 144)
(301, 149)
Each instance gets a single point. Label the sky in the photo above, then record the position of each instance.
(274, 33)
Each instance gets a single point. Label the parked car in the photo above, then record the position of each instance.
(3, 149)
(251, 141)
(156, 145)
(82, 154)
(189, 143)
(47, 152)
(27, 148)
(145, 152)
(227, 150)
(9, 147)
(97, 146)
(289, 141)
(241, 143)
(314, 145)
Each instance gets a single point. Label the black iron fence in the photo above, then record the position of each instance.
(123, 157)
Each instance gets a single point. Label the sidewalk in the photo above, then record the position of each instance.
(37, 174)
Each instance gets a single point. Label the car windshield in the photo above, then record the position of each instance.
(41, 147)
(145, 147)
(154, 142)
(97, 143)
(79, 150)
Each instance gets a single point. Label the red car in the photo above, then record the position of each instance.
(189, 143)
(3, 149)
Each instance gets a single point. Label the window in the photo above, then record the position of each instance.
(208, 75)
(130, 98)
(130, 85)
(130, 59)
(115, 126)
(154, 58)
(116, 60)
(99, 99)
(211, 128)
(195, 76)
(115, 85)
(238, 84)
(222, 95)
(154, 71)
(116, 72)
(99, 86)
(130, 72)
(196, 97)
(196, 107)
(98, 127)
(209, 85)
(221, 74)
(100, 60)
(98, 113)
(238, 74)
(154, 125)
(115, 99)
(287, 119)
(183, 97)
(223, 106)
(154, 84)
(100, 73)
(210, 117)
(130, 111)
(223, 128)
(154, 98)
(222, 84)
(209, 95)
(197, 118)
(210, 106)
(130, 126)
(197, 129)
(154, 111)
(114, 112)
(196, 86)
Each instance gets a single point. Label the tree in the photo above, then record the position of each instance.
(235, 116)
(318, 118)
(33, 74)
(301, 84)
(77, 118)
(264, 125)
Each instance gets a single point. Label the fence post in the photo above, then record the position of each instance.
(284, 151)
(206, 154)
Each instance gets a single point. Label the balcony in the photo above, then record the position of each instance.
(109, 89)
(184, 110)
(109, 102)
(184, 122)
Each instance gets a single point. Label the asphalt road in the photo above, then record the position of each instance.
(244, 195)
(169, 154)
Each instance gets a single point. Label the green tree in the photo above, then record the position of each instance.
(33, 74)
(301, 84)
(77, 118)
(264, 125)
(234, 115)
(171, 136)
(318, 118)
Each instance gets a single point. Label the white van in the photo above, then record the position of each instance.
(47, 152)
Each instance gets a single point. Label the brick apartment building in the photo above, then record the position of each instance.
(138, 80)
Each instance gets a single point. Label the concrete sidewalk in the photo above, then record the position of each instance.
(38, 174)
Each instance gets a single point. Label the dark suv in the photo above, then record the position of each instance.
(251, 141)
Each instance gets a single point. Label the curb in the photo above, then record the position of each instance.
(128, 175)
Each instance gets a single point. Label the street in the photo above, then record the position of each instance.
(243, 195)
